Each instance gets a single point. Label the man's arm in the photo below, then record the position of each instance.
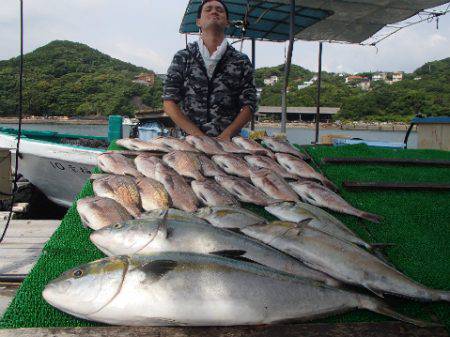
(173, 93)
(179, 118)
(244, 116)
(247, 100)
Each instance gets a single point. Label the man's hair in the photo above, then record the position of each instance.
(200, 8)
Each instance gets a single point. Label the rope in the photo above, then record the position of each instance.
(19, 132)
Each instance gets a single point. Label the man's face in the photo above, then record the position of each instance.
(213, 16)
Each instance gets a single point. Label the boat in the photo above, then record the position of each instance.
(57, 164)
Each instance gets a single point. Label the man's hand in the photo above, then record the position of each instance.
(224, 136)
(244, 116)
(180, 119)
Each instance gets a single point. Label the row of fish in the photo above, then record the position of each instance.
(211, 146)
(253, 179)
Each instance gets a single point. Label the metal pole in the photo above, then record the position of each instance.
(287, 68)
(319, 83)
(252, 123)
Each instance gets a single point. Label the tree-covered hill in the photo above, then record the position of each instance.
(426, 90)
(68, 78)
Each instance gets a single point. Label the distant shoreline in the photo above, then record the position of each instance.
(375, 126)
(68, 121)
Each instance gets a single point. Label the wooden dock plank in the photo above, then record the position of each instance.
(387, 329)
(7, 292)
(23, 244)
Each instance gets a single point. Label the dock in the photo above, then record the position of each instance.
(19, 251)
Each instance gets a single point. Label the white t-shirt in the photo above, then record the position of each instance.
(211, 60)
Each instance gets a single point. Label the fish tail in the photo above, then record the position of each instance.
(383, 309)
(441, 295)
(329, 184)
(370, 216)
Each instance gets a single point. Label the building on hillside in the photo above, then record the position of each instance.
(258, 92)
(147, 79)
(364, 84)
(295, 113)
(354, 78)
(379, 77)
(307, 84)
(271, 80)
(418, 78)
(397, 76)
(162, 77)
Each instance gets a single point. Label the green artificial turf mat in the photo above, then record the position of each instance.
(417, 222)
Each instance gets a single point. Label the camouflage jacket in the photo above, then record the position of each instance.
(210, 103)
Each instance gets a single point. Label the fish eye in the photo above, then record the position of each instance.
(78, 273)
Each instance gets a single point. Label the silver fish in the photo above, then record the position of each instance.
(145, 237)
(321, 196)
(268, 163)
(205, 144)
(147, 164)
(283, 146)
(230, 147)
(211, 193)
(122, 189)
(197, 290)
(319, 219)
(302, 169)
(232, 164)
(180, 192)
(244, 191)
(209, 168)
(252, 146)
(229, 217)
(153, 194)
(340, 259)
(184, 163)
(117, 164)
(99, 212)
(273, 185)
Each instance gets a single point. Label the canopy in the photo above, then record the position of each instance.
(356, 20)
(262, 20)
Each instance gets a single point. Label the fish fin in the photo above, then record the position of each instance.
(235, 230)
(234, 255)
(379, 307)
(376, 292)
(162, 226)
(371, 217)
(159, 268)
(229, 253)
(305, 221)
(329, 184)
(382, 245)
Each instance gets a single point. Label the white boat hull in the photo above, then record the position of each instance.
(58, 170)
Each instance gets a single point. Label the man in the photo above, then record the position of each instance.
(209, 86)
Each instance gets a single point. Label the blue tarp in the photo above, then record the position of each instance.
(265, 20)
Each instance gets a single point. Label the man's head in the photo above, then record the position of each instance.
(212, 14)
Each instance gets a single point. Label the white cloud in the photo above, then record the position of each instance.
(138, 55)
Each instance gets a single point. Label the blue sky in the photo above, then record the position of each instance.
(145, 33)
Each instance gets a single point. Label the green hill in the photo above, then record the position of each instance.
(426, 90)
(68, 78)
